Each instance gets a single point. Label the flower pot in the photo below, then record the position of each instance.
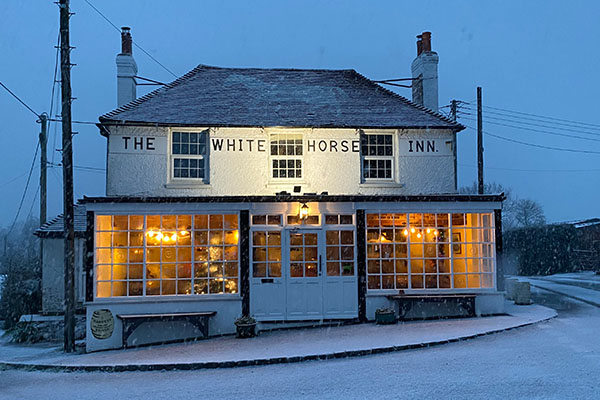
(385, 318)
(245, 330)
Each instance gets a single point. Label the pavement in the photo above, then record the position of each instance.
(582, 286)
(275, 347)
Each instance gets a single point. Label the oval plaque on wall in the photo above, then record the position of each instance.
(102, 324)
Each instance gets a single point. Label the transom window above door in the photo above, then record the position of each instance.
(286, 155)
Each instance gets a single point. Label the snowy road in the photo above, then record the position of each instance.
(558, 359)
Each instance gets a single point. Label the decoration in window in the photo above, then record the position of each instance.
(158, 255)
(430, 251)
(377, 156)
(189, 155)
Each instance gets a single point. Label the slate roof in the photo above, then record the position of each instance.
(213, 96)
(54, 227)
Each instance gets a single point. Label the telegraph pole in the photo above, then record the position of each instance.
(479, 143)
(67, 161)
(454, 153)
(43, 166)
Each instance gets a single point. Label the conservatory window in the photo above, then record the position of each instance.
(430, 251)
(159, 255)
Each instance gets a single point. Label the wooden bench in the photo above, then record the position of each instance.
(406, 301)
(132, 321)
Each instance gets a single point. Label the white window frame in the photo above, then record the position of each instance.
(272, 158)
(201, 157)
(367, 157)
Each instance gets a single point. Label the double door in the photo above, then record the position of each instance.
(303, 274)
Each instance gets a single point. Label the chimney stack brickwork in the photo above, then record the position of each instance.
(126, 70)
(425, 73)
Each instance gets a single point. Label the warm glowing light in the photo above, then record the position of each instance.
(435, 232)
(405, 232)
(419, 235)
(412, 230)
(382, 238)
(166, 238)
(303, 214)
(159, 235)
(151, 233)
(174, 237)
(236, 234)
(184, 233)
(428, 230)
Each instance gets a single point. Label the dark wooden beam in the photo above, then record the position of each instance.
(361, 266)
(499, 266)
(88, 257)
(245, 260)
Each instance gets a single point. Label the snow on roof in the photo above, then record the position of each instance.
(213, 96)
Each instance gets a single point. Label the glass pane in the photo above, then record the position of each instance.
(274, 270)
(104, 223)
(296, 270)
(333, 268)
(259, 270)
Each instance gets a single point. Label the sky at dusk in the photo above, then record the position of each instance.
(533, 57)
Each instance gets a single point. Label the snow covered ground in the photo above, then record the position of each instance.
(285, 344)
(557, 359)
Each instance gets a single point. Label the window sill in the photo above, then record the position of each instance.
(166, 298)
(287, 182)
(187, 185)
(382, 185)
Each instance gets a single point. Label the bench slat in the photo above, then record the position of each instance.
(169, 315)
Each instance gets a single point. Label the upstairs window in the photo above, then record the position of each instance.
(189, 155)
(286, 155)
(377, 156)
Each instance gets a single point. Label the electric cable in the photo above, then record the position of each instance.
(135, 43)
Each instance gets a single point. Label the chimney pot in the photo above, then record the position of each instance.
(126, 41)
(426, 41)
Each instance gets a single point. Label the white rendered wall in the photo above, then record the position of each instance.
(146, 172)
(228, 308)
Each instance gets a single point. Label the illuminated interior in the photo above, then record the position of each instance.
(159, 255)
(430, 251)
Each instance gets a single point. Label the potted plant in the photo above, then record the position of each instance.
(385, 316)
(245, 327)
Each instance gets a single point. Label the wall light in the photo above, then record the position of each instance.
(303, 213)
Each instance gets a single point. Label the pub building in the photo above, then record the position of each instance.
(295, 196)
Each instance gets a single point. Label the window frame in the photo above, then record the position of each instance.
(485, 235)
(279, 180)
(145, 246)
(391, 158)
(205, 158)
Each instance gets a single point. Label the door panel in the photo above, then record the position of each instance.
(267, 283)
(304, 284)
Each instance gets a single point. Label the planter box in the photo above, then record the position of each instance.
(245, 330)
(385, 318)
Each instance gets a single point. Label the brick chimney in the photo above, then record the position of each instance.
(126, 69)
(425, 69)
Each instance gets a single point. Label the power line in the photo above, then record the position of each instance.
(542, 116)
(537, 130)
(137, 45)
(540, 123)
(533, 170)
(19, 100)
(24, 191)
(536, 145)
(54, 81)
(33, 202)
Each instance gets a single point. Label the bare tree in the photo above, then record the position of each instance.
(508, 206)
(529, 213)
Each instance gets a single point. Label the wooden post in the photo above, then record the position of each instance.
(245, 260)
(454, 152)
(67, 161)
(479, 143)
(43, 167)
(361, 267)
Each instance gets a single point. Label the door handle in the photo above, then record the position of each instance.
(319, 265)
